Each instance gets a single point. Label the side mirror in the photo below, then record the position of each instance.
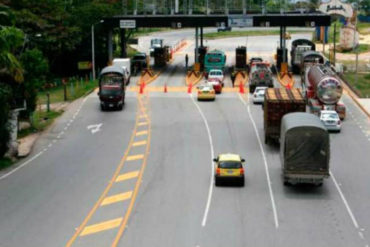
(215, 160)
(242, 160)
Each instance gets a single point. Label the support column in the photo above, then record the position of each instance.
(284, 45)
(123, 43)
(196, 44)
(201, 36)
(281, 36)
(110, 46)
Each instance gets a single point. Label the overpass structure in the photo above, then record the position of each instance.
(282, 20)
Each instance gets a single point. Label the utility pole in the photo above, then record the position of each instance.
(93, 51)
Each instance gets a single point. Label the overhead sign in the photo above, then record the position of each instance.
(241, 21)
(127, 23)
(337, 7)
(84, 65)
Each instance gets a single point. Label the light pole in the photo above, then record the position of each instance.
(93, 48)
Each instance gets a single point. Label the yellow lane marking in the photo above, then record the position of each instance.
(136, 144)
(103, 226)
(127, 176)
(135, 157)
(133, 199)
(142, 124)
(105, 192)
(141, 133)
(117, 198)
(143, 116)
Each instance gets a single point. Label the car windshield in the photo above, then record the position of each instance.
(330, 115)
(215, 73)
(230, 164)
(110, 91)
(111, 79)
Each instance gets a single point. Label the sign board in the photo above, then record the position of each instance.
(337, 7)
(241, 21)
(127, 23)
(84, 65)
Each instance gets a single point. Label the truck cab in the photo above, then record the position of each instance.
(112, 86)
(155, 43)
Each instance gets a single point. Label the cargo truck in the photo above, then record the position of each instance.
(304, 149)
(125, 64)
(112, 86)
(299, 46)
(277, 103)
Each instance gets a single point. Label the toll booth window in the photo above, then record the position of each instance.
(214, 59)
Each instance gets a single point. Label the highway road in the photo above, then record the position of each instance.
(143, 177)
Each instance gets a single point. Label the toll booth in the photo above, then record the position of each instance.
(161, 56)
(202, 51)
(280, 57)
(241, 57)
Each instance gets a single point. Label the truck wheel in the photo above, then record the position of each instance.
(102, 107)
(286, 183)
(251, 89)
(120, 107)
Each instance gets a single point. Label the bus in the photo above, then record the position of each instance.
(215, 59)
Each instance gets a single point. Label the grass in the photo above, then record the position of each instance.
(360, 49)
(40, 120)
(363, 27)
(220, 35)
(5, 162)
(75, 89)
(363, 83)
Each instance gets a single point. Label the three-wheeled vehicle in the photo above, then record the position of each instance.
(112, 86)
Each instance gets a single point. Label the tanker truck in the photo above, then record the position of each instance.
(324, 90)
(299, 46)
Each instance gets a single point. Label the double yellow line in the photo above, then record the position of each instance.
(142, 119)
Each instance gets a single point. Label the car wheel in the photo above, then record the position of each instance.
(241, 183)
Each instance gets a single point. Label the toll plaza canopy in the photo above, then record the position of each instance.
(296, 19)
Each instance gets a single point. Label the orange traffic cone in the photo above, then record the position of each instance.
(241, 88)
(190, 87)
(288, 86)
(165, 87)
(141, 88)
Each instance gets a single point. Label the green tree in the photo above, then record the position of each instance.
(36, 69)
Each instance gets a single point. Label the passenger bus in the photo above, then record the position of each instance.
(215, 59)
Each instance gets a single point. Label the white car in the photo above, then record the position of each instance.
(216, 74)
(259, 95)
(331, 120)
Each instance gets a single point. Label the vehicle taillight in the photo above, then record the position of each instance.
(218, 171)
(241, 171)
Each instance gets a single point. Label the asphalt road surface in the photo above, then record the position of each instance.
(143, 177)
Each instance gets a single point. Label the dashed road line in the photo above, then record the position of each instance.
(116, 198)
(141, 133)
(103, 226)
(135, 157)
(127, 176)
(140, 143)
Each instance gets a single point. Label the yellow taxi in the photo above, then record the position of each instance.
(206, 92)
(229, 167)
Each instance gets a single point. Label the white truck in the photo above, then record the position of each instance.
(125, 64)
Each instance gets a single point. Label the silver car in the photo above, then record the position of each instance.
(331, 120)
(259, 95)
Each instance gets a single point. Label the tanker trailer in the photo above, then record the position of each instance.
(324, 90)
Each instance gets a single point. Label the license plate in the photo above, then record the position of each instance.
(230, 172)
(110, 105)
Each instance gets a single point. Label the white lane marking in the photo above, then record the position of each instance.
(50, 144)
(354, 221)
(210, 191)
(264, 161)
(94, 127)
(361, 235)
(36, 155)
(19, 167)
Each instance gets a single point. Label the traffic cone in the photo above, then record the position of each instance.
(141, 88)
(165, 87)
(190, 87)
(288, 86)
(241, 88)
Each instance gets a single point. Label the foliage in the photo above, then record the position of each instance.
(36, 68)
(362, 85)
(5, 95)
